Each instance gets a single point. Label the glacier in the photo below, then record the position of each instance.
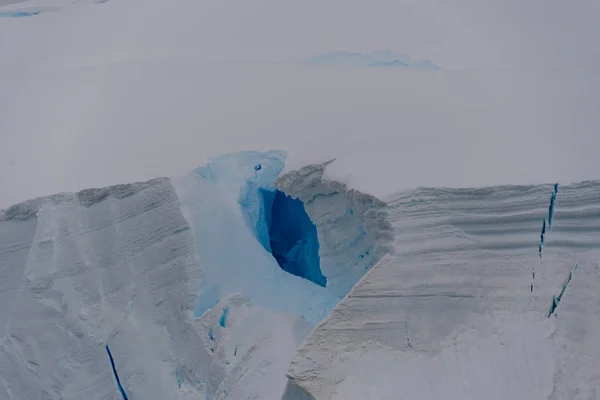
(262, 275)
(180, 278)
(352, 232)
(206, 286)
(451, 314)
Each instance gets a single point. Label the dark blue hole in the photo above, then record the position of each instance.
(292, 236)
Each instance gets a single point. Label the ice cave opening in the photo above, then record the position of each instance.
(292, 236)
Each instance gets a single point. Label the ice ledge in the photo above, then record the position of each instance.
(353, 227)
(87, 197)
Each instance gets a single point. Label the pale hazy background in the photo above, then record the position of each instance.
(98, 94)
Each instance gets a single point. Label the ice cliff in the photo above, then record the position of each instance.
(451, 313)
(200, 286)
(212, 285)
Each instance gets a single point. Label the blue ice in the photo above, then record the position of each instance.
(19, 14)
(223, 319)
(552, 205)
(378, 58)
(29, 12)
(234, 231)
(292, 236)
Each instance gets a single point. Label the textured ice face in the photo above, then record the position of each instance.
(461, 310)
(181, 280)
(352, 227)
(292, 236)
(224, 204)
(79, 275)
(294, 243)
(191, 284)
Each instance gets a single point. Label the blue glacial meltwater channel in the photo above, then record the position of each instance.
(292, 236)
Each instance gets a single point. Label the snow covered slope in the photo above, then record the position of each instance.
(465, 308)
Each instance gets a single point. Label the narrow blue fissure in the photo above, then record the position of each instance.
(292, 236)
(556, 299)
(550, 218)
(114, 369)
(541, 246)
(543, 233)
(551, 208)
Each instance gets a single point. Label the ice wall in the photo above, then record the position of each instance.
(353, 229)
(118, 268)
(254, 215)
(193, 285)
(292, 237)
(224, 204)
(115, 266)
(451, 313)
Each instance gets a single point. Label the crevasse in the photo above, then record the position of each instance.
(291, 242)
(292, 236)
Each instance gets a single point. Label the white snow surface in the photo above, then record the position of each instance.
(148, 88)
